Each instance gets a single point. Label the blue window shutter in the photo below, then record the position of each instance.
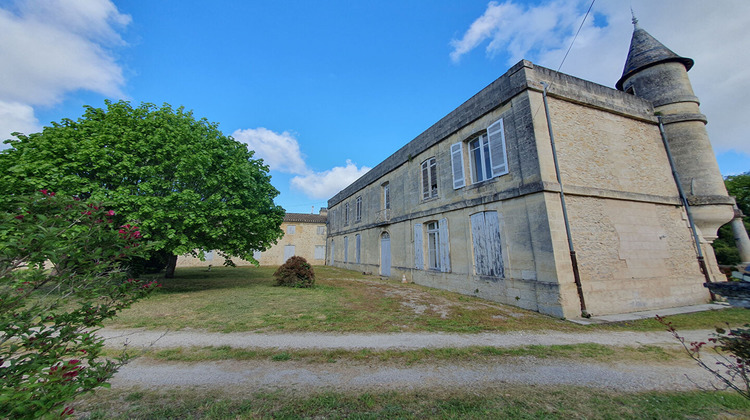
(457, 164)
(418, 247)
(498, 155)
(445, 247)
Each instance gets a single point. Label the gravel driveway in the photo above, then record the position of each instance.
(347, 375)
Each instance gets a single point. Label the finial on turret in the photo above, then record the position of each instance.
(635, 19)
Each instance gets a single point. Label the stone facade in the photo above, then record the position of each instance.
(473, 204)
(304, 236)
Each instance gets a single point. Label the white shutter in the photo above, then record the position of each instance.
(457, 163)
(320, 252)
(425, 180)
(480, 243)
(357, 244)
(445, 247)
(418, 247)
(494, 246)
(346, 249)
(498, 157)
(288, 252)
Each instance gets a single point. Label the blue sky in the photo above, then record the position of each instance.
(323, 91)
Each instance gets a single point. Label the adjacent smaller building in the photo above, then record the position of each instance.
(304, 236)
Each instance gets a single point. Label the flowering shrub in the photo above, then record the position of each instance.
(60, 278)
(295, 272)
(732, 348)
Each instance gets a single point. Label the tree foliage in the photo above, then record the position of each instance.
(190, 186)
(726, 251)
(60, 278)
(738, 186)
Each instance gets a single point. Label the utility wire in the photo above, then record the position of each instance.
(552, 82)
(576, 36)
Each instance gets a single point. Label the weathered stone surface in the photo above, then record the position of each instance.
(628, 227)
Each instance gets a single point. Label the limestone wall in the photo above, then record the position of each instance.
(305, 238)
(633, 243)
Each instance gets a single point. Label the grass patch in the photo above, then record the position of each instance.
(245, 299)
(692, 321)
(517, 402)
(588, 351)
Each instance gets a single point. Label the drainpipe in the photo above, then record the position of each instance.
(573, 258)
(683, 198)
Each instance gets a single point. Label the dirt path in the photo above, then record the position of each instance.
(347, 375)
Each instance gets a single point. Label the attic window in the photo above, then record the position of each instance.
(630, 90)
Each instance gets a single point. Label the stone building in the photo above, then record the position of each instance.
(475, 204)
(304, 235)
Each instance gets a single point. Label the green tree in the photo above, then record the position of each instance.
(738, 186)
(60, 278)
(726, 251)
(190, 186)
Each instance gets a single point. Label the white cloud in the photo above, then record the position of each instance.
(711, 35)
(280, 152)
(20, 117)
(52, 47)
(324, 185)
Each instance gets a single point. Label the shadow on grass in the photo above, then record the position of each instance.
(197, 279)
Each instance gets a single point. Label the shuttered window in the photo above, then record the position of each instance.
(386, 196)
(346, 249)
(357, 245)
(479, 154)
(457, 165)
(418, 247)
(445, 254)
(487, 156)
(320, 252)
(498, 155)
(433, 246)
(486, 241)
(429, 179)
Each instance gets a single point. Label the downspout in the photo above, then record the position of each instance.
(683, 198)
(573, 258)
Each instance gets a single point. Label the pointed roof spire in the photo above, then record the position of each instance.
(635, 19)
(646, 51)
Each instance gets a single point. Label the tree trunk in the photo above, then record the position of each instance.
(171, 264)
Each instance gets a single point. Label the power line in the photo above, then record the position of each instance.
(576, 36)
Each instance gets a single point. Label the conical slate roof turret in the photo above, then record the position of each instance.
(646, 51)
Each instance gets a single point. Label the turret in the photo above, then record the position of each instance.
(653, 72)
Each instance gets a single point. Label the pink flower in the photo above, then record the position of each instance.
(111, 213)
(19, 217)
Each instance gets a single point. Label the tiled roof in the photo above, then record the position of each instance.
(304, 218)
(646, 51)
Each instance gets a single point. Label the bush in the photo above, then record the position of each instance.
(295, 272)
(61, 277)
(732, 353)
